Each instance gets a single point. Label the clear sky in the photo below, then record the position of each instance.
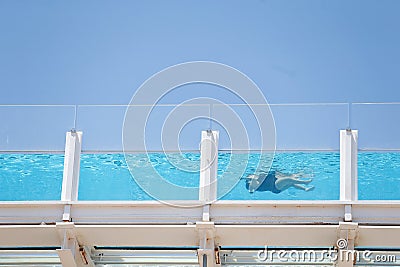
(100, 52)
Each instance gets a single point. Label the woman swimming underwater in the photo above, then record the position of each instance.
(276, 182)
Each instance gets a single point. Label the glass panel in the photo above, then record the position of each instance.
(322, 167)
(172, 128)
(106, 177)
(26, 175)
(377, 125)
(35, 128)
(379, 175)
(165, 176)
(308, 127)
(379, 158)
(294, 175)
(101, 126)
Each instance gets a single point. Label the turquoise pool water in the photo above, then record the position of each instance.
(31, 176)
(106, 176)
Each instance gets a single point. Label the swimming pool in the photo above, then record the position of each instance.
(106, 176)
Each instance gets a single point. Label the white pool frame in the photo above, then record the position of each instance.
(76, 227)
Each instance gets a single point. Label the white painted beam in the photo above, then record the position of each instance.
(379, 236)
(220, 212)
(188, 235)
(31, 212)
(137, 235)
(29, 236)
(276, 235)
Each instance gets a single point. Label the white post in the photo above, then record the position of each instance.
(71, 254)
(70, 183)
(348, 165)
(207, 253)
(208, 166)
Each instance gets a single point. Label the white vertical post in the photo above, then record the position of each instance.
(208, 166)
(348, 165)
(207, 252)
(71, 254)
(70, 183)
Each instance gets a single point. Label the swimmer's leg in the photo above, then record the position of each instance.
(283, 183)
(301, 181)
(295, 177)
(302, 187)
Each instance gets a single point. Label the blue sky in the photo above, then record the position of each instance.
(100, 52)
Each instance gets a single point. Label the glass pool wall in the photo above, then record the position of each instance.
(379, 145)
(32, 140)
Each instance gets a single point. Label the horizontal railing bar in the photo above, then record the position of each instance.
(289, 150)
(317, 150)
(202, 104)
(375, 103)
(31, 151)
(190, 150)
(138, 203)
(186, 151)
(309, 104)
(379, 149)
(234, 151)
(36, 105)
